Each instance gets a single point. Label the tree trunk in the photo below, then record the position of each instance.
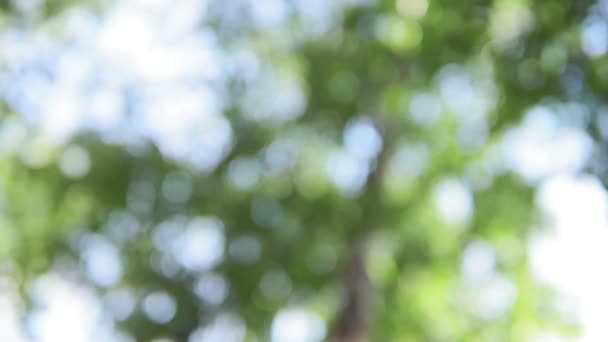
(351, 322)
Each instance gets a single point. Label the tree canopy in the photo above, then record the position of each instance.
(254, 170)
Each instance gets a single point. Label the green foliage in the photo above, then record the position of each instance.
(290, 232)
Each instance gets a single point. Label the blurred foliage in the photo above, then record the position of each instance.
(440, 82)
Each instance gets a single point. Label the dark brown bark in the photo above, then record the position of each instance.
(351, 321)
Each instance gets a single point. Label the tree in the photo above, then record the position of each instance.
(343, 164)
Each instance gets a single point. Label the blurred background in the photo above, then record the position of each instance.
(303, 170)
